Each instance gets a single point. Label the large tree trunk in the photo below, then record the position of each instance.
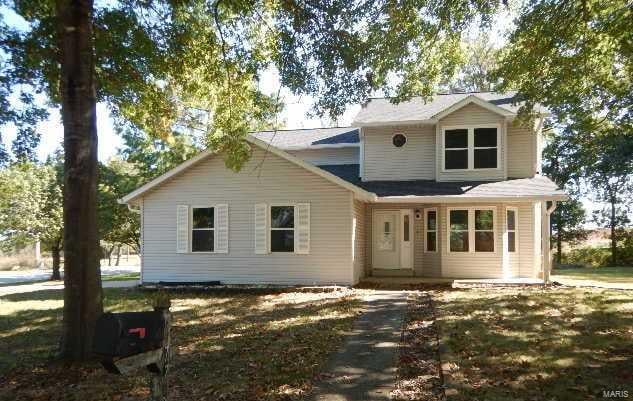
(82, 278)
(56, 253)
(614, 242)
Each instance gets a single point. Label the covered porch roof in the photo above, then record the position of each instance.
(519, 189)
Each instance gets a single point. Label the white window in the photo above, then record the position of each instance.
(471, 147)
(202, 229)
(430, 230)
(511, 228)
(468, 226)
(459, 237)
(484, 230)
(282, 229)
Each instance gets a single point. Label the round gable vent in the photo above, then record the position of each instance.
(399, 140)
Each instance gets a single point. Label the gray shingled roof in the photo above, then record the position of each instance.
(306, 138)
(378, 110)
(537, 186)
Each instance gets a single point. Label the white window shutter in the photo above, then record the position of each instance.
(261, 228)
(302, 228)
(182, 229)
(222, 228)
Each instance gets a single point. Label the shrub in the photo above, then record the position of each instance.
(588, 256)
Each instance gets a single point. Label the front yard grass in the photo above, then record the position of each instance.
(618, 274)
(536, 343)
(227, 346)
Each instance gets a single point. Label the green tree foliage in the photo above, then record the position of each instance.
(117, 224)
(575, 57)
(480, 59)
(31, 207)
(569, 217)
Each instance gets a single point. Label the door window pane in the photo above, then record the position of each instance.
(512, 247)
(405, 225)
(511, 225)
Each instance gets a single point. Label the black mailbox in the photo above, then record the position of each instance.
(119, 335)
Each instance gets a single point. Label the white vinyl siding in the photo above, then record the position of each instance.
(471, 115)
(274, 181)
(522, 151)
(413, 161)
(359, 236)
(328, 156)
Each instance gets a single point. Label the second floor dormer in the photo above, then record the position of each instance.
(453, 137)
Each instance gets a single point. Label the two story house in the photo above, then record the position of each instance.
(448, 188)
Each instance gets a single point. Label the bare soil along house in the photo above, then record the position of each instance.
(449, 188)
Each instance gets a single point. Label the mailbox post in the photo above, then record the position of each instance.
(130, 341)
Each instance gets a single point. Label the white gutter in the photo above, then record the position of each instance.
(467, 199)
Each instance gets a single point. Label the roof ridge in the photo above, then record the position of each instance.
(441, 94)
(300, 129)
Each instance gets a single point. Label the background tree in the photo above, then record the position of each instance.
(30, 208)
(474, 74)
(567, 222)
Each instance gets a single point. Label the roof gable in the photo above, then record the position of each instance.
(381, 111)
(473, 99)
(136, 194)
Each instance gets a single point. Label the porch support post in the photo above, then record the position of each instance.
(546, 243)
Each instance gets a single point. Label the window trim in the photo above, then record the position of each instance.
(406, 139)
(471, 147)
(426, 230)
(270, 228)
(515, 231)
(471, 230)
(190, 229)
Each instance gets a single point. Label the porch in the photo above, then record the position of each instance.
(386, 282)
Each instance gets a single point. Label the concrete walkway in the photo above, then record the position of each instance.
(365, 367)
(58, 285)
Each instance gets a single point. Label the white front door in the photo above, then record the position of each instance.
(392, 239)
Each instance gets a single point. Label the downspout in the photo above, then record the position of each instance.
(545, 233)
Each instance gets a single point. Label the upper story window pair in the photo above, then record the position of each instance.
(471, 148)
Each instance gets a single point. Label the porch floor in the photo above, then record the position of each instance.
(455, 283)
